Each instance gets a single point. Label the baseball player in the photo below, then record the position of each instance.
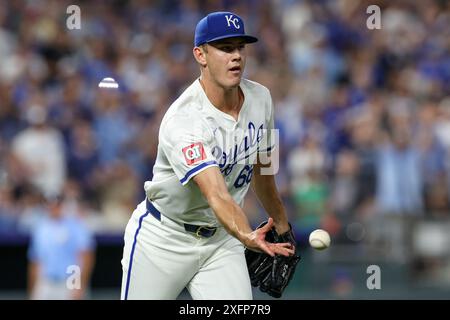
(190, 231)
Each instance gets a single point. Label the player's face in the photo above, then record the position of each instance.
(226, 61)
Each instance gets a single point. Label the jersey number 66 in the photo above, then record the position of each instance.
(245, 176)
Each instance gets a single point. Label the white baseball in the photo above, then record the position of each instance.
(319, 239)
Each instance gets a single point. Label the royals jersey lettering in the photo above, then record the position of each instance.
(194, 135)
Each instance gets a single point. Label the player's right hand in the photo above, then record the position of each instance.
(257, 242)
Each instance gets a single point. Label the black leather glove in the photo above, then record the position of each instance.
(272, 274)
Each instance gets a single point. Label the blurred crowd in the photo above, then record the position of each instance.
(364, 115)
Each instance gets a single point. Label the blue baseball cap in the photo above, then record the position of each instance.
(220, 25)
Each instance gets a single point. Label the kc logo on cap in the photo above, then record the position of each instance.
(220, 25)
(234, 21)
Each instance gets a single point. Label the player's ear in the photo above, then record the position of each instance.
(200, 55)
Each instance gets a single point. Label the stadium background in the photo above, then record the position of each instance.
(364, 119)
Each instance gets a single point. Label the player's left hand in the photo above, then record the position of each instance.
(259, 243)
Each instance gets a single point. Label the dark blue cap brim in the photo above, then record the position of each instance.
(247, 38)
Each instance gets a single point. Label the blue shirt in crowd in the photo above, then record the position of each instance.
(57, 243)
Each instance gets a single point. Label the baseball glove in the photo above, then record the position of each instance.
(272, 274)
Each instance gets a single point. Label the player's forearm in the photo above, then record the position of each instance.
(267, 193)
(231, 216)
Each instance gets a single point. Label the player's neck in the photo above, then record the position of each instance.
(226, 100)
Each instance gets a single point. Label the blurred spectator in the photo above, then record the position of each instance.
(10, 121)
(345, 184)
(309, 188)
(59, 242)
(39, 149)
(111, 127)
(83, 156)
(433, 154)
(399, 179)
(305, 158)
(364, 136)
(116, 191)
(9, 211)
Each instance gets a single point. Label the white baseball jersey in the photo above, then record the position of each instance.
(195, 135)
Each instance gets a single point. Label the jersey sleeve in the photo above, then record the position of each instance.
(187, 143)
(269, 138)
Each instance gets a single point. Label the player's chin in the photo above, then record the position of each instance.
(234, 79)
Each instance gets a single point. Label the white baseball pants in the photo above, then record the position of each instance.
(160, 259)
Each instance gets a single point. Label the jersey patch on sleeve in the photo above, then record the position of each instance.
(194, 153)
